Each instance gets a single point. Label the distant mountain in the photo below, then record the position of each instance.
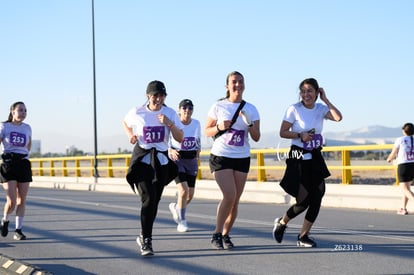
(367, 135)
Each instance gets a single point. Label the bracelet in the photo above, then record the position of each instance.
(300, 135)
(170, 125)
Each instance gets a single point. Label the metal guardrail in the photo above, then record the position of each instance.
(84, 165)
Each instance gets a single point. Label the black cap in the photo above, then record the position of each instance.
(156, 87)
(185, 102)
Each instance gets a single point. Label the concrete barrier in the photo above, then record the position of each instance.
(373, 197)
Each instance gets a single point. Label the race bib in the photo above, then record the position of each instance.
(154, 134)
(317, 141)
(236, 137)
(17, 139)
(188, 143)
(409, 155)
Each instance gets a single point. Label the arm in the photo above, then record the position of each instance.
(212, 128)
(254, 130)
(393, 154)
(333, 114)
(29, 144)
(129, 131)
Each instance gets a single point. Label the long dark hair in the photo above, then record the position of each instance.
(311, 81)
(408, 129)
(12, 107)
(227, 82)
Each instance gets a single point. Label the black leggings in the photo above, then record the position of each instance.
(150, 193)
(309, 197)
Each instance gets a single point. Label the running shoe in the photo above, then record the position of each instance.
(217, 241)
(402, 211)
(228, 244)
(173, 210)
(182, 226)
(145, 246)
(305, 241)
(278, 230)
(18, 235)
(4, 228)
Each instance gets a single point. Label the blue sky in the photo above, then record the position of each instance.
(361, 52)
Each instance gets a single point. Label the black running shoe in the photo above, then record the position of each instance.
(145, 246)
(4, 228)
(278, 230)
(217, 241)
(18, 235)
(305, 241)
(228, 244)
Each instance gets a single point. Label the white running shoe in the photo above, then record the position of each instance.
(182, 226)
(173, 210)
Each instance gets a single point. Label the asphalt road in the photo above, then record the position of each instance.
(78, 232)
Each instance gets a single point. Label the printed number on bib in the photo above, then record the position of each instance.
(410, 155)
(236, 137)
(317, 141)
(154, 134)
(17, 139)
(188, 143)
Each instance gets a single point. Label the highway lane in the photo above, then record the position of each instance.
(79, 232)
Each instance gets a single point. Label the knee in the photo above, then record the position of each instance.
(11, 204)
(183, 193)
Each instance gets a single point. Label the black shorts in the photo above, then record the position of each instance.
(405, 172)
(220, 163)
(20, 171)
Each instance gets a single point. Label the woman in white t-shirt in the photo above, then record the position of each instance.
(149, 127)
(186, 155)
(306, 169)
(403, 152)
(230, 153)
(16, 171)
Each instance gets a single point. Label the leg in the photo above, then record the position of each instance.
(227, 185)
(183, 192)
(407, 193)
(22, 190)
(147, 193)
(11, 198)
(240, 181)
(190, 194)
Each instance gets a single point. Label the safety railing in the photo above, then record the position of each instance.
(116, 165)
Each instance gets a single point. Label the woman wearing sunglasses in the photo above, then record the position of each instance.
(185, 154)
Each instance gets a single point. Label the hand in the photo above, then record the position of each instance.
(322, 94)
(173, 154)
(164, 120)
(306, 136)
(224, 125)
(133, 139)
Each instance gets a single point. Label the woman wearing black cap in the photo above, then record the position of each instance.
(185, 154)
(403, 151)
(230, 154)
(149, 127)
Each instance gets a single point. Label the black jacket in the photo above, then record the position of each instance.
(293, 173)
(134, 175)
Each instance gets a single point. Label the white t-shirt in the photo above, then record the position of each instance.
(15, 138)
(151, 133)
(405, 149)
(192, 137)
(304, 119)
(234, 143)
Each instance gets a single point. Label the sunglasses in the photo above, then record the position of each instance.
(187, 108)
